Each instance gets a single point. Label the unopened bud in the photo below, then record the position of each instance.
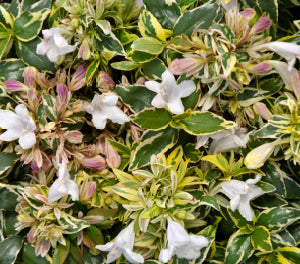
(257, 157)
(262, 110)
(74, 136)
(29, 75)
(105, 82)
(84, 50)
(78, 79)
(96, 163)
(14, 86)
(296, 84)
(248, 14)
(261, 25)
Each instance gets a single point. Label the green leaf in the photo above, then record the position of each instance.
(10, 220)
(154, 69)
(269, 201)
(210, 201)
(61, 253)
(276, 219)
(148, 45)
(125, 65)
(75, 252)
(152, 212)
(8, 197)
(127, 190)
(192, 101)
(12, 69)
(9, 249)
(292, 188)
(91, 70)
(261, 239)
(218, 160)
(274, 176)
(5, 45)
(150, 27)
(153, 143)
(239, 248)
(35, 5)
(200, 17)
(291, 253)
(203, 123)
(27, 52)
(89, 258)
(7, 160)
(153, 118)
(228, 61)
(72, 224)
(140, 56)
(224, 30)
(166, 12)
(266, 187)
(191, 153)
(239, 220)
(28, 25)
(270, 7)
(5, 18)
(108, 42)
(137, 98)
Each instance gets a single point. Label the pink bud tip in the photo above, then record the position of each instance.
(262, 68)
(261, 25)
(14, 86)
(97, 163)
(248, 13)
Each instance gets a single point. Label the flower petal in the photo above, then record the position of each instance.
(27, 140)
(72, 189)
(186, 88)
(99, 120)
(54, 194)
(133, 257)
(234, 202)
(158, 101)
(233, 187)
(115, 115)
(245, 209)
(11, 134)
(176, 234)
(8, 119)
(165, 255)
(153, 86)
(107, 247)
(176, 106)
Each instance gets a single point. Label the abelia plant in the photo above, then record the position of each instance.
(151, 131)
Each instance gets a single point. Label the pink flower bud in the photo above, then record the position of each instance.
(29, 75)
(141, 81)
(84, 50)
(186, 65)
(296, 84)
(74, 136)
(14, 86)
(261, 25)
(96, 163)
(78, 79)
(261, 68)
(63, 93)
(42, 247)
(262, 110)
(248, 14)
(104, 82)
(30, 236)
(113, 158)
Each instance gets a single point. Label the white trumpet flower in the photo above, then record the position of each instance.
(19, 125)
(54, 44)
(169, 93)
(181, 243)
(63, 185)
(123, 244)
(241, 193)
(104, 107)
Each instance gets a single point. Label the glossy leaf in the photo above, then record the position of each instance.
(9, 249)
(152, 143)
(200, 17)
(153, 118)
(137, 98)
(261, 239)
